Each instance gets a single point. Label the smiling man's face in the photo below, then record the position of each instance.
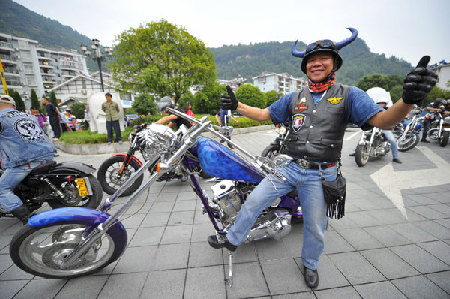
(319, 66)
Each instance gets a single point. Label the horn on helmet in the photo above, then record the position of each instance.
(295, 52)
(347, 41)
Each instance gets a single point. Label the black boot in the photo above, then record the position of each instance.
(311, 277)
(22, 213)
(220, 240)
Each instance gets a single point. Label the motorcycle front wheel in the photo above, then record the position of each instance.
(72, 198)
(362, 154)
(108, 175)
(408, 143)
(270, 150)
(443, 139)
(40, 251)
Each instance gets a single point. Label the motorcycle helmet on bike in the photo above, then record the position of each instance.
(325, 45)
(380, 95)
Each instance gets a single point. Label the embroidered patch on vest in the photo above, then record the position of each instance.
(335, 100)
(300, 108)
(28, 130)
(297, 121)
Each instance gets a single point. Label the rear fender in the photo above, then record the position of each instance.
(132, 157)
(73, 168)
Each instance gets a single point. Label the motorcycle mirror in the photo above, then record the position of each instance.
(164, 103)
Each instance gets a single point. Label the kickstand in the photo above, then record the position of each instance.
(229, 280)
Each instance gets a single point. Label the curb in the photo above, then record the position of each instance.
(104, 148)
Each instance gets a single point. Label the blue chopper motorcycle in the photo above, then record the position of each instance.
(71, 242)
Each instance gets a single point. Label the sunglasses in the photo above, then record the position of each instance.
(321, 44)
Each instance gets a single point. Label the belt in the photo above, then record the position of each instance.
(311, 165)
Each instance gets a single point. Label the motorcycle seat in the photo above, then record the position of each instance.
(43, 168)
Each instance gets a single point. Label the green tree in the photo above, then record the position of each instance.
(396, 92)
(77, 110)
(34, 99)
(386, 82)
(213, 92)
(251, 95)
(272, 96)
(144, 104)
(185, 98)
(20, 105)
(161, 59)
(53, 99)
(200, 102)
(435, 93)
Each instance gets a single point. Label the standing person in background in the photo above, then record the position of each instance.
(42, 119)
(188, 109)
(223, 119)
(53, 116)
(112, 118)
(63, 121)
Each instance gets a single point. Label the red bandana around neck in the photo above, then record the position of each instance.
(322, 86)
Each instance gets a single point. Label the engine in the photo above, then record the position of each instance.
(155, 140)
(227, 202)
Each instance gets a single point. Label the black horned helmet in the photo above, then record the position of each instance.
(325, 45)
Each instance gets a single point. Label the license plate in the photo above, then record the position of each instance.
(82, 189)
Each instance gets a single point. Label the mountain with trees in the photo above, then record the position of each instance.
(247, 60)
(251, 60)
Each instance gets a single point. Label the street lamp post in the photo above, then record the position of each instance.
(97, 54)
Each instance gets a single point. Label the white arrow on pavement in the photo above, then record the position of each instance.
(392, 182)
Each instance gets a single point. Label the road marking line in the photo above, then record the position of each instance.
(352, 135)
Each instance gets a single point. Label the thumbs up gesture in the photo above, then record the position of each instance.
(419, 82)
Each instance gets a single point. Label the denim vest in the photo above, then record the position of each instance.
(21, 139)
(317, 131)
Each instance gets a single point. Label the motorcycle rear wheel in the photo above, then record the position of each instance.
(40, 251)
(409, 143)
(107, 174)
(443, 139)
(361, 155)
(71, 192)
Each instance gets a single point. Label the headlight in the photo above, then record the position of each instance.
(282, 130)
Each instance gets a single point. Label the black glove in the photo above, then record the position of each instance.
(419, 82)
(228, 101)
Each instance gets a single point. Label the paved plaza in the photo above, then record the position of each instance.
(394, 241)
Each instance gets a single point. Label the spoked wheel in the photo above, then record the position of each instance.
(112, 179)
(40, 251)
(72, 197)
(362, 153)
(409, 142)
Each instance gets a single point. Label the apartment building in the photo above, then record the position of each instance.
(28, 65)
(442, 69)
(282, 83)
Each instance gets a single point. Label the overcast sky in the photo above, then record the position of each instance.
(407, 29)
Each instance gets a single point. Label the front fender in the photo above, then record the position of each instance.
(68, 215)
(83, 216)
(132, 157)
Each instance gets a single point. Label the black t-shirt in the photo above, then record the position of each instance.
(181, 121)
(51, 110)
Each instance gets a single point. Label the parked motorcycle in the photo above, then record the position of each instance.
(407, 132)
(71, 242)
(372, 144)
(277, 146)
(116, 170)
(60, 185)
(440, 127)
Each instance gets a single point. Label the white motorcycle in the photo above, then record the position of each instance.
(372, 144)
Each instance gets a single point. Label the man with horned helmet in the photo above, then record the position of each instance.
(318, 115)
